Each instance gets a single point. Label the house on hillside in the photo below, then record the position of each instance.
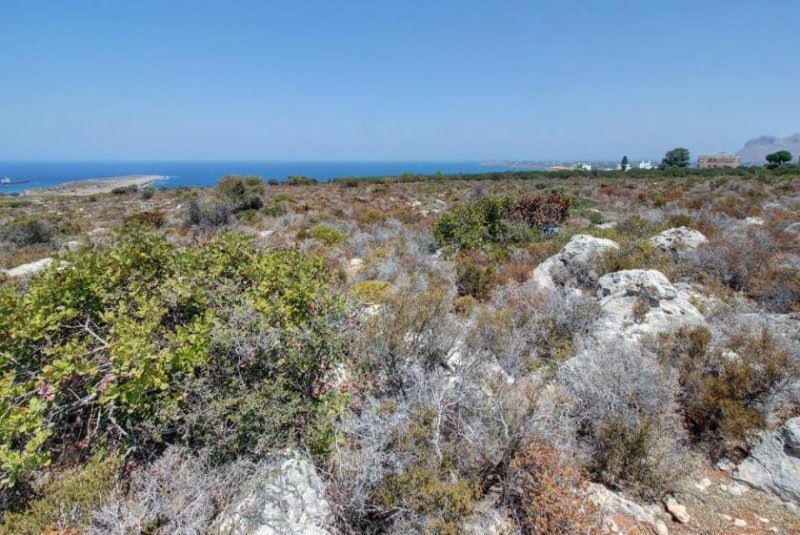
(646, 165)
(711, 161)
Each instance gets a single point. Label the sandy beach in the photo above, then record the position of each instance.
(93, 186)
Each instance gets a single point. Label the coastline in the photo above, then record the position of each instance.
(93, 186)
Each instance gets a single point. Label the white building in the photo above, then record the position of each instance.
(646, 165)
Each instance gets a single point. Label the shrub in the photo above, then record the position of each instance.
(241, 192)
(622, 406)
(67, 501)
(137, 337)
(370, 291)
(207, 213)
(151, 219)
(125, 190)
(147, 193)
(275, 209)
(27, 231)
(475, 275)
(474, 224)
(545, 492)
(464, 305)
(541, 210)
(326, 234)
(300, 180)
(723, 390)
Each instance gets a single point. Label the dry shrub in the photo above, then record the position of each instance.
(475, 274)
(723, 390)
(541, 210)
(621, 404)
(544, 493)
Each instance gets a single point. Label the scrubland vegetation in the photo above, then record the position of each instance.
(392, 331)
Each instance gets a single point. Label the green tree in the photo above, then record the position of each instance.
(778, 158)
(677, 157)
(624, 163)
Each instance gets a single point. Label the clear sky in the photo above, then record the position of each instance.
(393, 80)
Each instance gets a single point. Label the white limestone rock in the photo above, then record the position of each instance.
(675, 239)
(637, 303)
(573, 262)
(288, 500)
(28, 270)
(774, 462)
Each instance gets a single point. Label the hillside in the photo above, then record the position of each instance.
(531, 353)
(756, 149)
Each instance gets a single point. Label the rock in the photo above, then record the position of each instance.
(677, 510)
(794, 228)
(573, 262)
(28, 270)
(703, 484)
(739, 523)
(610, 502)
(486, 520)
(266, 233)
(773, 465)
(726, 465)
(735, 489)
(71, 246)
(674, 239)
(791, 435)
(609, 225)
(753, 221)
(636, 303)
(287, 499)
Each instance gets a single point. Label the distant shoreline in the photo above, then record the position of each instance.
(94, 186)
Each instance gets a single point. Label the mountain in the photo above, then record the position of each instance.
(755, 150)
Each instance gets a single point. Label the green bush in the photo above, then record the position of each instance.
(370, 291)
(115, 338)
(150, 218)
(27, 231)
(300, 180)
(66, 502)
(475, 223)
(241, 192)
(326, 234)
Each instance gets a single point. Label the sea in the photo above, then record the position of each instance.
(196, 173)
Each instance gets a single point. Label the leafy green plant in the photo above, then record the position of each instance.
(325, 233)
(102, 350)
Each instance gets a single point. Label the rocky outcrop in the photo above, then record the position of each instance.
(573, 264)
(635, 303)
(28, 270)
(675, 239)
(287, 499)
(774, 462)
(614, 504)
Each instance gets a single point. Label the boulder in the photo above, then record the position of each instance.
(635, 303)
(675, 239)
(287, 499)
(573, 263)
(774, 462)
(677, 510)
(27, 270)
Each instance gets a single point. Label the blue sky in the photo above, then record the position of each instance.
(393, 80)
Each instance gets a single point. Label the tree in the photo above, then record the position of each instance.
(778, 158)
(677, 157)
(624, 165)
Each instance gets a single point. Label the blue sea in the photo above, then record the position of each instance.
(46, 174)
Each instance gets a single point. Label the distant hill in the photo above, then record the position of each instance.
(756, 149)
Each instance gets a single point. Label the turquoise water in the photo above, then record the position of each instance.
(45, 174)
